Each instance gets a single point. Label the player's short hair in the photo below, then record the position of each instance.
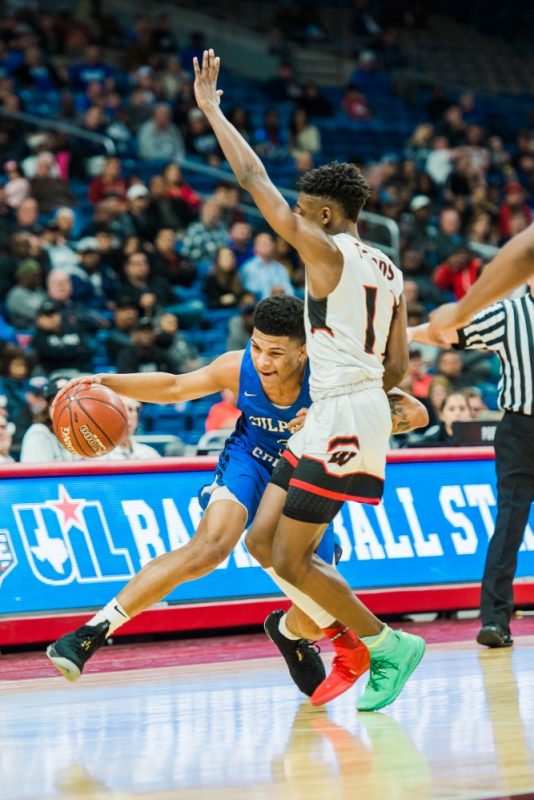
(341, 182)
(281, 316)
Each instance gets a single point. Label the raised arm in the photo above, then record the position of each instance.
(512, 266)
(323, 260)
(162, 387)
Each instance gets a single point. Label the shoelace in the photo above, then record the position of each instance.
(304, 645)
(378, 673)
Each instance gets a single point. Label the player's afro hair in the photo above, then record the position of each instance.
(342, 183)
(281, 316)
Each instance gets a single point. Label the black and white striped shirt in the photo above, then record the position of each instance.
(507, 329)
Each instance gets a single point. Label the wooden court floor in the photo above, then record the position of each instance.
(463, 728)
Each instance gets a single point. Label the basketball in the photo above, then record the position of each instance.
(90, 420)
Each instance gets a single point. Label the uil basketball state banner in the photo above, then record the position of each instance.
(72, 535)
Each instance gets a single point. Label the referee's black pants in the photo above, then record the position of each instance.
(514, 464)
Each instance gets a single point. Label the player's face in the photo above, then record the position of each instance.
(312, 208)
(276, 358)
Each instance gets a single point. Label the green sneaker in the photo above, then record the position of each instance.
(390, 671)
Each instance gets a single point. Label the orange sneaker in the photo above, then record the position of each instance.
(350, 663)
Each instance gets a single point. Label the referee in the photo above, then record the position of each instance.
(507, 329)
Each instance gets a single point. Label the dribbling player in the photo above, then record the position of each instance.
(356, 338)
(270, 380)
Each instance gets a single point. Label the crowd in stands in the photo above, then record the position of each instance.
(122, 262)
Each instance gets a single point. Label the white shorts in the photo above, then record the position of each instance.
(340, 453)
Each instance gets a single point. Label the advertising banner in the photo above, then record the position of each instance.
(73, 541)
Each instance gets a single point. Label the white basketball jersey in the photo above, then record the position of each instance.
(347, 333)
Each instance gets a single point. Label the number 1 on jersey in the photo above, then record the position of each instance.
(370, 305)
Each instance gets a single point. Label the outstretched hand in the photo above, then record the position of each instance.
(446, 318)
(205, 85)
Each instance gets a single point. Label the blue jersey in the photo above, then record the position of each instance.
(262, 429)
(253, 448)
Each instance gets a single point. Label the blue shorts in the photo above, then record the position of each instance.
(246, 478)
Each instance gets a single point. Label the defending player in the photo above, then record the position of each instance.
(270, 380)
(355, 319)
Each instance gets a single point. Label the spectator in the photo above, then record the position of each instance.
(38, 73)
(16, 368)
(178, 189)
(313, 102)
(224, 414)
(270, 139)
(18, 248)
(415, 227)
(438, 163)
(39, 444)
(159, 138)
(222, 286)
(241, 326)
(74, 316)
(203, 238)
(458, 273)
(6, 437)
(182, 355)
(200, 141)
(91, 70)
(94, 283)
(369, 77)
(136, 221)
(139, 287)
(125, 319)
(163, 38)
(302, 134)
(450, 365)
(143, 354)
(420, 380)
(514, 203)
(165, 211)
(27, 216)
(453, 409)
(47, 190)
(448, 237)
(439, 388)
(261, 274)
(17, 187)
(354, 104)
(475, 402)
(166, 263)
(284, 87)
(240, 242)
(109, 182)
(60, 255)
(239, 118)
(27, 296)
(128, 448)
(56, 348)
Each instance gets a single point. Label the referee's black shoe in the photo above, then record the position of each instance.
(494, 635)
(70, 653)
(302, 657)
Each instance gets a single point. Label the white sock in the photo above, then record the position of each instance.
(284, 630)
(321, 617)
(113, 613)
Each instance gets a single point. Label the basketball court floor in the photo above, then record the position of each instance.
(220, 719)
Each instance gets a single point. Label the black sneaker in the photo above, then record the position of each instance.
(69, 653)
(302, 657)
(494, 635)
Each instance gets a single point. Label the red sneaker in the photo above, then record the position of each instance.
(350, 663)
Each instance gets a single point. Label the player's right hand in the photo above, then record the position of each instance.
(75, 382)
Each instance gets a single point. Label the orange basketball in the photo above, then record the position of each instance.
(90, 420)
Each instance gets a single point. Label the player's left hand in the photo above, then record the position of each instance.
(205, 85)
(298, 422)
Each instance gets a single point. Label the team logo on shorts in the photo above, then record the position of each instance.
(342, 456)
